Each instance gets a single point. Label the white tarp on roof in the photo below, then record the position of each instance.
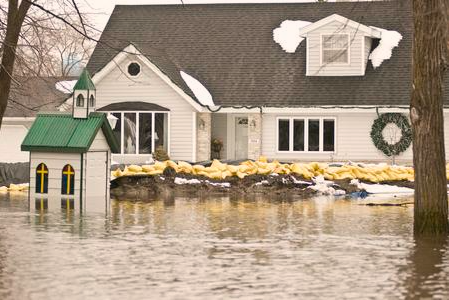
(287, 35)
(199, 90)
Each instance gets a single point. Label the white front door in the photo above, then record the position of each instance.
(241, 138)
(96, 181)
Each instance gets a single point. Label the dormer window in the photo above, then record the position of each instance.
(92, 101)
(334, 49)
(80, 101)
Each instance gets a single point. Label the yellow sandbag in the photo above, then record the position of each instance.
(155, 172)
(198, 168)
(202, 173)
(243, 168)
(170, 163)
(134, 168)
(15, 187)
(185, 165)
(148, 168)
(211, 169)
(241, 175)
(233, 169)
(225, 174)
(159, 165)
(328, 176)
(263, 171)
(215, 175)
(117, 173)
(217, 164)
(251, 170)
(263, 159)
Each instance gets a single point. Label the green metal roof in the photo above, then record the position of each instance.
(84, 82)
(60, 132)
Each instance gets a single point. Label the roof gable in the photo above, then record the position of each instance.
(56, 132)
(371, 32)
(175, 82)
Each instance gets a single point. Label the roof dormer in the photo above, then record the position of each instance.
(337, 46)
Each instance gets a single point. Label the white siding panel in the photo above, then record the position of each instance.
(11, 137)
(100, 143)
(55, 163)
(149, 87)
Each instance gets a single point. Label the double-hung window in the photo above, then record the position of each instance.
(335, 48)
(297, 134)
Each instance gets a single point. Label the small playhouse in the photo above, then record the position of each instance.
(70, 154)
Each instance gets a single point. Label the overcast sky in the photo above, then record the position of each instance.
(101, 9)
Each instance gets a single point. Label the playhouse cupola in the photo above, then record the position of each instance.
(84, 96)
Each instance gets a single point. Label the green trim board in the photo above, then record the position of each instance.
(84, 82)
(60, 132)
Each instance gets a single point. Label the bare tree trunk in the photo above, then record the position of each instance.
(426, 112)
(16, 15)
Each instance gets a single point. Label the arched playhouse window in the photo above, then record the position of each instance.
(80, 101)
(42, 179)
(92, 101)
(68, 180)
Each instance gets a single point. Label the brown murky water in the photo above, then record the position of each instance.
(219, 248)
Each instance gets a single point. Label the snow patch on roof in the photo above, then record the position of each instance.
(198, 89)
(389, 40)
(287, 34)
(65, 86)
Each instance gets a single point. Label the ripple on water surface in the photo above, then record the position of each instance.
(218, 248)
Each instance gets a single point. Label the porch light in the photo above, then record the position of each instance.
(253, 124)
(202, 124)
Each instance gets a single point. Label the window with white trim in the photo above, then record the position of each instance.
(141, 132)
(305, 134)
(334, 48)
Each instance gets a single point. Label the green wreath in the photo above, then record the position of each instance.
(378, 139)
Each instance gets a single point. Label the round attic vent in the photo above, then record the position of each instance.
(134, 69)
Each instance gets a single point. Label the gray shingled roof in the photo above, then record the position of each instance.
(30, 95)
(230, 49)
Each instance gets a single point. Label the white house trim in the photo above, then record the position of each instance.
(194, 141)
(326, 109)
(21, 119)
(374, 33)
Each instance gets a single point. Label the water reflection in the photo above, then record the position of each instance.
(429, 272)
(218, 247)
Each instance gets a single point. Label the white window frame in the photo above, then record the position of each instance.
(306, 134)
(322, 49)
(153, 114)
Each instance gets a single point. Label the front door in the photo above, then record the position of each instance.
(96, 181)
(241, 138)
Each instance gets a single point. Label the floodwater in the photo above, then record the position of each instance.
(218, 248)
